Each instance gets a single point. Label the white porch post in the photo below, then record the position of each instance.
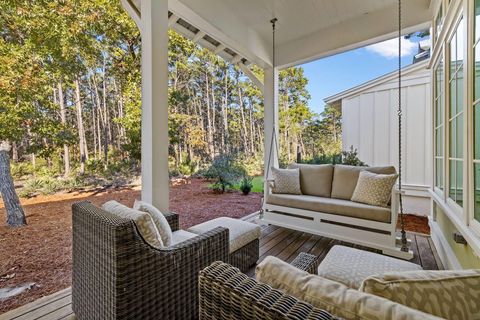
(154, 30)
(270, 97)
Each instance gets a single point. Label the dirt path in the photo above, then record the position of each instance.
(41, 251)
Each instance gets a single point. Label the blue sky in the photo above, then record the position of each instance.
(334, 74)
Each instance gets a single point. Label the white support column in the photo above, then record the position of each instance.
(154, 30)
(270, 96)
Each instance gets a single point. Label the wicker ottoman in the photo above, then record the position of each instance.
(243, 236)
(351, 266)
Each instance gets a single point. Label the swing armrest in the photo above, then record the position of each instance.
(270, 183)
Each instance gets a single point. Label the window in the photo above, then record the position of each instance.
(455, 116)
(439, 21)
(439, 107)
(476, 112)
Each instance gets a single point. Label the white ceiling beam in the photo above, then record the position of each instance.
(172, 20)
(236, 58)
(218, 22)
(133, 12)
(219, 48)
(252, 76)
(199, 35)
(354, 33)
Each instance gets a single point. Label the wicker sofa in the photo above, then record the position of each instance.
(284, 292)
(117, 275)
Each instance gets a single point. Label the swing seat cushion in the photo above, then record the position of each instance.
(332, 206)
(315, 180)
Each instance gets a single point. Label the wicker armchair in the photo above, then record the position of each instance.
(228, 294)
(117, 275)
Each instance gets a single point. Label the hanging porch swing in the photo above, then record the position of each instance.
(332, 214)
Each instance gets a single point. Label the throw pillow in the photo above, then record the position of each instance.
(450, 294)
(374, 189)
(286, 181)
(142, 220)
(159, 219)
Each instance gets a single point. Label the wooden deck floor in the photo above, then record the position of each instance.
(283, 243)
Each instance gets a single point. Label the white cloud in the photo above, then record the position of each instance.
(389, 48)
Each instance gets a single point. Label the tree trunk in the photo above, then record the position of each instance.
(14, 152)
(63, 119)
(81, 132)
(15, 214)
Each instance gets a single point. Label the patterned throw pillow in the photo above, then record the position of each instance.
(142, 220)
(374, 189)
(450, 294)
(286, 181)
(159, 219)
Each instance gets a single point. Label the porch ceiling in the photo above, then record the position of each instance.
(307, 29)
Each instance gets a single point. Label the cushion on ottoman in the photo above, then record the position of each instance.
(240, 232)
(180, 236)
(351, 266)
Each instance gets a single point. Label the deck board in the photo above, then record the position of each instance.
(281, 242)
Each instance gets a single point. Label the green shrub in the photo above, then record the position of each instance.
(351, 158)
(225, 171)
(246, 185)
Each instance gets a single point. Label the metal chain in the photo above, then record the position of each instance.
(399, 112)
(273, 142)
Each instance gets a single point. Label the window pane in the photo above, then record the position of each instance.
(453, 142)
(459, 136)
(453, 54)
(477, 19)
(477, 191)
(439, 141)
(477, 72)
(459, 33)
(477, 131)
(453, 99)
(453, 180)
(439, 173)
(459, 187)
(460, 90)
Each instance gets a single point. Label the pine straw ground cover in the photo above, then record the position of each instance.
(41, 251)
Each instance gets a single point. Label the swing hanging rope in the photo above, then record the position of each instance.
(402, 218)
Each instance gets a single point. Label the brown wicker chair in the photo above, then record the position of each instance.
(228, 294)
(117, 275)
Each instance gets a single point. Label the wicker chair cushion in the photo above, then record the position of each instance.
(158, 218)
(240, 232)
(181, 235)
(351, 266)
(144, 222)
(332, 296)
(450, 294)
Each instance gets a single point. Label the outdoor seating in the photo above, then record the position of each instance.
(283, 291)
(324, 207)
(118, 275)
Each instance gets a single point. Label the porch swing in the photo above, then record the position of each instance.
(324, 206)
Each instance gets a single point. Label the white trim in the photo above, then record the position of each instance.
(252, 76)
(378, 235)
(445, 252)
(472, 239)
(133, 12)
(374, 82)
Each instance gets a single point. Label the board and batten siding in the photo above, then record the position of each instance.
(370, 124)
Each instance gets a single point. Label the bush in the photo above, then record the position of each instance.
(246, 185)
(225, 171)
(351, 158)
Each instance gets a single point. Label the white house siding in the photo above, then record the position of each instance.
(370, 124)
